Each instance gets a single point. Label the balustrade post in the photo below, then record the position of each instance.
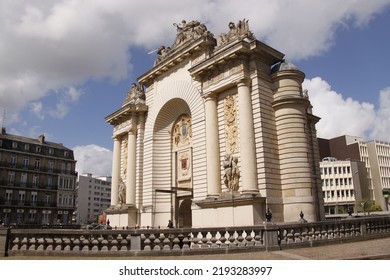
(363, 228)
(270, 237)
(4, 239)
(135, 243)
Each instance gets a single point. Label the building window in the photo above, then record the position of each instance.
(25, 162)
(23, 179)
(11, 177)
(35, 180)
(63, 166)
(51, 151)
(14, 159)
(14, 144)
(46, 216)
(50, 166)
(32, 216)
(47, 199)
(19, 216)
(38, 149)
(26, 147)
(68, 168)
(8, 196)
(22, 197)
(34, 196)
(37, 165)
(49, 181)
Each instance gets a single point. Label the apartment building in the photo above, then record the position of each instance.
(93, 197)
(37, 181)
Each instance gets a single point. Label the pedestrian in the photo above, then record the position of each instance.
(170, 224)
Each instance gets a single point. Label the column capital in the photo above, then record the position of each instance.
(210, 96)
(243, 82)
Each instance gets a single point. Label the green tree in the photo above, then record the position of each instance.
(365, 204)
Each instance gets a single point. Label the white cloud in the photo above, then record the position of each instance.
(46, 46)
(93, 159)
(381, 129)
(66, 99)
(345, 116)
(36, 109)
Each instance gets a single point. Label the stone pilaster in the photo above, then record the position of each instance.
(131, 162)
(115, 171)
(247, 139)
(212, 147)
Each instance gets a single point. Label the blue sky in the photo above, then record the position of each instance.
(66, 65)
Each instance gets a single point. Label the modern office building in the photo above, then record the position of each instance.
(217, 131)
(93, 197)
(37, 181)
(374, 154)
(379, 156)
(344, 185)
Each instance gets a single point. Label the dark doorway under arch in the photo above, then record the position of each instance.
(185, 214)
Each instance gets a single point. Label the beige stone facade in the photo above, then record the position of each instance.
(218, 131)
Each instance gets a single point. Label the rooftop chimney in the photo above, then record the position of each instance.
(41, 138)
(3, 131)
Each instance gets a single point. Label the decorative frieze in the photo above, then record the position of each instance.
(231, 129)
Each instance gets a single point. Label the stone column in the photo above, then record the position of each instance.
(131, 163)
(212, 147)
(116, 161)
(247, 139)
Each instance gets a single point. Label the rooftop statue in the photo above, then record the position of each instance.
(185, 31)
(136, 94)
(239, 30)
(189, 31)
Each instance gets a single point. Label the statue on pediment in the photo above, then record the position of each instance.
(162, 53)
(239, 30)
(136, 94)
(189, 31)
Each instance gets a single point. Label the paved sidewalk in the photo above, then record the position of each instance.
(363, 250)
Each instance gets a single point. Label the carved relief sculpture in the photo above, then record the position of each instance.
(182, 131)
(184, 165)
(230, 114)
(124, 156)
(121, 193)
(231, 176)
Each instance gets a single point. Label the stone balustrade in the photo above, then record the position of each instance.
(133, 242)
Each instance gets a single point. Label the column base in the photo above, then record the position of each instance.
(229, 209)
(122, 216)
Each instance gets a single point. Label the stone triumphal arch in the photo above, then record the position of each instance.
(215, 133)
